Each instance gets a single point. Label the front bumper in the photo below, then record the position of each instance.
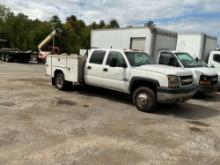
(170, 95)
(209, 88)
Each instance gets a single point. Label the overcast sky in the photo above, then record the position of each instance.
(176, 15)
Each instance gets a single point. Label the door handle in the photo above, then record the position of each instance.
(89, 67)
(105, 70)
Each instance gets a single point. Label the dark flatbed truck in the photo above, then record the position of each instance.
(9, 54)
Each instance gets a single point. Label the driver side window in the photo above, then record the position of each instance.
(168, 59)
(119, 59)
(216, 58)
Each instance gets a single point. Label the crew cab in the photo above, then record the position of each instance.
(206, 78)
(131, 72)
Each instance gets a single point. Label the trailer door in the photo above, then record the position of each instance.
(138, 43)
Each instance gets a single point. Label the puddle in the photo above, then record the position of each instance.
(195, 129)
(8, 104)
(86, 106)
(199, 123)
(60, 101)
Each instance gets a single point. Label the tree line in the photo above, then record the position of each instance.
(26, 34)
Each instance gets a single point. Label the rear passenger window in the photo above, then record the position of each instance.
(216, 58)
(97, 57)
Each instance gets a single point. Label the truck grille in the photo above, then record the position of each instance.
(186, 80)
(212, 79)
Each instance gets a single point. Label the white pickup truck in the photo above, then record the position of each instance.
(206, 78)
(131, 72)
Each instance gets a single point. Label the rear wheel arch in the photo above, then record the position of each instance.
(57, 72)
(60, 82)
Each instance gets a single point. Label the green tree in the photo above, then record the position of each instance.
(94, 25)
(150, 24)
(102, 24)
(113, 24)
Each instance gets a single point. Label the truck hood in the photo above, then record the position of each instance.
(164, 69)
(203, 71)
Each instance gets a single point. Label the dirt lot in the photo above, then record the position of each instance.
(41, 125)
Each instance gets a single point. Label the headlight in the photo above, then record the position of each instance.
(173, 81)
(208, 80)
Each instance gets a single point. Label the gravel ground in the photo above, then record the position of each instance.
(40, 125)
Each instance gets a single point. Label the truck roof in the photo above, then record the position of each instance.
(172, 51)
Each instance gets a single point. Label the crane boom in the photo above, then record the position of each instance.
(47, 39)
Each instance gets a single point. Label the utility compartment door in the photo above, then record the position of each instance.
(72, 70)
(49, 66)
(138, 43)
(59, 61)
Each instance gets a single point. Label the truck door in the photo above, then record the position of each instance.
(216, 61)
(115, 72)
(93, 68)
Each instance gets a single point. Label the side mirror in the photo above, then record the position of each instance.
(113, 62)
(125, 65)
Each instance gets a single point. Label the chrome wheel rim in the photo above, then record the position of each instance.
(143, 99)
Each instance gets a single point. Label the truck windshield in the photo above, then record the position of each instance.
(202, 63)
(139, 58)
(187, 60)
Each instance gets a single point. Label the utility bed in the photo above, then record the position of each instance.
(71, 65)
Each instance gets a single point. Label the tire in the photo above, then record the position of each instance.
(144, 99)
(7, 58)
(61, 83)
(53, 81)
(4, 58)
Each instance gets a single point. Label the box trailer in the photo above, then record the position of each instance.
(150, 40)
(199, 45)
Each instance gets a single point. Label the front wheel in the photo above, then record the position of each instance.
(144, 99)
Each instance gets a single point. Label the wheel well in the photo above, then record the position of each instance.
(57, 72)
(138, 83)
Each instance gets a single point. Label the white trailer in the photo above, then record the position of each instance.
(150, 40)
(199, 45)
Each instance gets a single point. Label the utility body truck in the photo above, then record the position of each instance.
(128, 71)
(205, 78)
